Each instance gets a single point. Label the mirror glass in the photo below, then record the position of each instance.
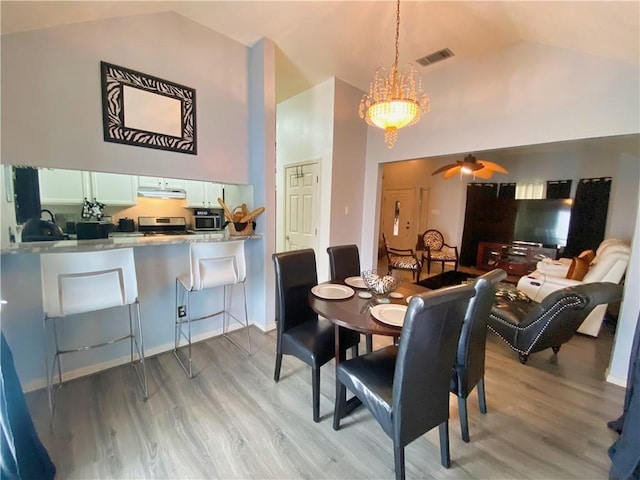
(147, 111)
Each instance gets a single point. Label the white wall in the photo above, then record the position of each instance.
(528, 94)
(349, 150)
(52, 105)
(305, 134)
(262, 167)
(52, 116)
(322, 124)
(628, 318)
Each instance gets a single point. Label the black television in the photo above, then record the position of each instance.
(544, 222)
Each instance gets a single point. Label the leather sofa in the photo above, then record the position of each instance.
(609, 265)
(529, 327)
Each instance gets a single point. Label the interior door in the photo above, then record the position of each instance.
(301, 217)
(398, 212)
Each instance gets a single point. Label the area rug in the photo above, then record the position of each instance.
(446, 279)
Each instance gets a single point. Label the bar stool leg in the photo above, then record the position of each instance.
(225, 323)
(142, 379)
(179, 332)
(46, 370)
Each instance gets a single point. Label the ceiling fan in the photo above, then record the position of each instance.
(471, 165)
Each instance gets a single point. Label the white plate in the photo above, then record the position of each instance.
(332, 291)
(364, 295)
(396, 295)
(409, 298)
(355, 282)
(389, 313)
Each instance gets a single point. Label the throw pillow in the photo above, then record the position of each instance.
(578, 269)
(588, 255)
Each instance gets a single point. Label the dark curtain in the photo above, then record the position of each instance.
(477, 195)
(23, 455)
(625, 452)
(588, 215)
(507, 190)
(558, 189)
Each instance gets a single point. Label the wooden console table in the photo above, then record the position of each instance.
(515, 259)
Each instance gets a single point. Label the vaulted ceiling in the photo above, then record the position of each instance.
(317, 40)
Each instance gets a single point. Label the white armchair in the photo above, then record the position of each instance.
(609, 265)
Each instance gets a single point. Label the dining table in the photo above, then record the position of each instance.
(354, 313)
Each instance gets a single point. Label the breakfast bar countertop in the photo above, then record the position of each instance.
(121, 242)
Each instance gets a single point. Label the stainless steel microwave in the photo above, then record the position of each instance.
(207, 222)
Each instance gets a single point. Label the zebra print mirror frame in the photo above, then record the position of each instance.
(146, 111)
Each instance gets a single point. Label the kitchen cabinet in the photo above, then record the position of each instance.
(161, 183)
(114, 189)
(63, 187)
(203, 194)
(71, 187)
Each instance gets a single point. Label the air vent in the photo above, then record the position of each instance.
(435, 57)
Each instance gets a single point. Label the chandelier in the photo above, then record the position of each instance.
(395, 99)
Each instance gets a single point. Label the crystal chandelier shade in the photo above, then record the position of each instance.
(395, 99)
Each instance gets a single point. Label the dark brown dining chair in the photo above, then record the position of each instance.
(344, 262)
(436, 250)
(469, 367)
(299, 330)
(406, 386)
(402, 259)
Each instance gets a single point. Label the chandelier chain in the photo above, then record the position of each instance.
(395, 63)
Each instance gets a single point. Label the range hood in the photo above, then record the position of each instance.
(155, 193)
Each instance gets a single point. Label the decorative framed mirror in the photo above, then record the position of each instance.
(146, 111)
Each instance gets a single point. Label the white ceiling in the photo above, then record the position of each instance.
(349, 39)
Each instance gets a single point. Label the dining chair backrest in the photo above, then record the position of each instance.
(470, 356)
(296, 274)
(426, 355)
(79, 282)
(344, 262)
(215, 264)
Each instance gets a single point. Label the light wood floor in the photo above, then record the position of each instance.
(546, 420)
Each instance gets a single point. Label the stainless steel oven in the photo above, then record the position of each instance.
(204, 220)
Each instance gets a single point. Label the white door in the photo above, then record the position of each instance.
(63, 187)
(114, 188)
(397, 214)
(301, 198)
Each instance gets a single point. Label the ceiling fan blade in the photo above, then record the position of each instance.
(452, 172)
(446, 167)
(492, 166)
(483, 173)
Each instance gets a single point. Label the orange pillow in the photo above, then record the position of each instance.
(588, 255)
(578, 269)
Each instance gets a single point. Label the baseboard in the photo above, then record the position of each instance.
(116, 362)
(621, 382)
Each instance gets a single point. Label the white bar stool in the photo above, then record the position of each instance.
(82, 282)
(214, 264)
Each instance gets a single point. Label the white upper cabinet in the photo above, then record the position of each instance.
(203, 194)
(63, 187)
(114, 189)
(71, 187)
(161, 183)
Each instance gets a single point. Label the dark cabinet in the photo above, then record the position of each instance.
(515, 259)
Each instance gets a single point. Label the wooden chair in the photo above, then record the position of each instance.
(402, 259)
(436, 250)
